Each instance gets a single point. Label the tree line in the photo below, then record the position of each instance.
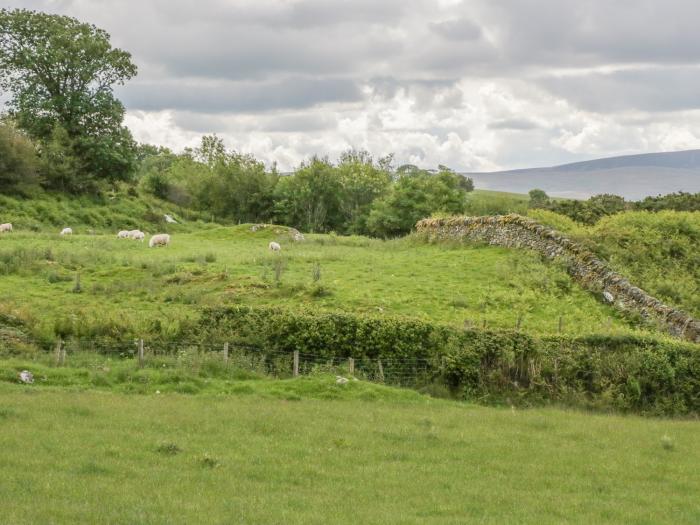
(354, 195)
(598, 206)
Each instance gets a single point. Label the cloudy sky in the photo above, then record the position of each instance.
(473, 84)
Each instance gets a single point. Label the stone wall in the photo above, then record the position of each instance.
(515, 231)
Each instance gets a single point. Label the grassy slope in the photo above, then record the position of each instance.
(52, 212)
(125, 283)
(660, 252)
(89, 457)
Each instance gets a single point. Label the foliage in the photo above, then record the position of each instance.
(416, 194)
(595, 208)
(657, 251)
(19, 163)
(680, 201)
(310, 200)
(60, 73)
(647, 375)
(538, 198)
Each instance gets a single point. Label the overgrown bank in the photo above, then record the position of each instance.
(635, 373)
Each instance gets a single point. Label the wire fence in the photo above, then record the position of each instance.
(406, 371)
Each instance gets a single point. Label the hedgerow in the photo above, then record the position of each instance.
(627, 373)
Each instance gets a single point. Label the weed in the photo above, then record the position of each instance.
(168, 449)
(208, 461)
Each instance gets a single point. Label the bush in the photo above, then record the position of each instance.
(628, 373)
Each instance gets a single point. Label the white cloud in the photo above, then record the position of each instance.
(476, 85)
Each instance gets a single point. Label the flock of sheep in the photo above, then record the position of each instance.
(160, 239)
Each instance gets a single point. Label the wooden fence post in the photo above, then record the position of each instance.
(226, 352)
(351, 366)
(296, 363)
(140, 353)
(58, 351)
(381, 370)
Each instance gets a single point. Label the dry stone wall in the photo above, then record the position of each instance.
(516, 231)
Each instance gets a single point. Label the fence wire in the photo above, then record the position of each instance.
(395, 370)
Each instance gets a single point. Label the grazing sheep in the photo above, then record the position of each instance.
(137, 235)
(123, 234)
(161, 239)
(275, 247)
(26, 377)
(169, 218)
(298, 236)
(67, 231)
(7, 227)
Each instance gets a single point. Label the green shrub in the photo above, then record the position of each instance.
(628, 373)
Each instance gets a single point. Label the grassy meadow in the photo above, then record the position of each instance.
(116, 284)
(317, 452)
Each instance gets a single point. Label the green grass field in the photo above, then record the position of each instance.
(383, 456)
(126, 285)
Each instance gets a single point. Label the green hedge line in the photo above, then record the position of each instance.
(629, 373)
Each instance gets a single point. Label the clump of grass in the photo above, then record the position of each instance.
(459, 302)
(208, 461)
(168, 449)
(77, 288)
(319, 291)
(279, 266)
(667, 443)
(316, 272)
(210, 257)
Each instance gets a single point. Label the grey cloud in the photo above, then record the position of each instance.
(657, 89)
(275, 122)
(456, 29)
(515, 124)
(243, 97)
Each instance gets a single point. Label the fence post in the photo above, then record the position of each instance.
(296, 363)
(381, 370)
(58, 351)
(140, 353)
(226, 352)
(351, 366)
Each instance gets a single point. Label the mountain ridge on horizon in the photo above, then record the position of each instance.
(631, 176)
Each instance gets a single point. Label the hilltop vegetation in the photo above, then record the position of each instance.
(656, 251)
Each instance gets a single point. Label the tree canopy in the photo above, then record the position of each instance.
(60, 74)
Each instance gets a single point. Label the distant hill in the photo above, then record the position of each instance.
(631, 176)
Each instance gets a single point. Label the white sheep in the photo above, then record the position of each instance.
(137, 235)
(123, 234)
(298, 236)
(67, 231)
(275, 247)
(169, 219)
(7, 227)
(161, 239)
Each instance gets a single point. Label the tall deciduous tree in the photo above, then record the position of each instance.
(60, 74)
